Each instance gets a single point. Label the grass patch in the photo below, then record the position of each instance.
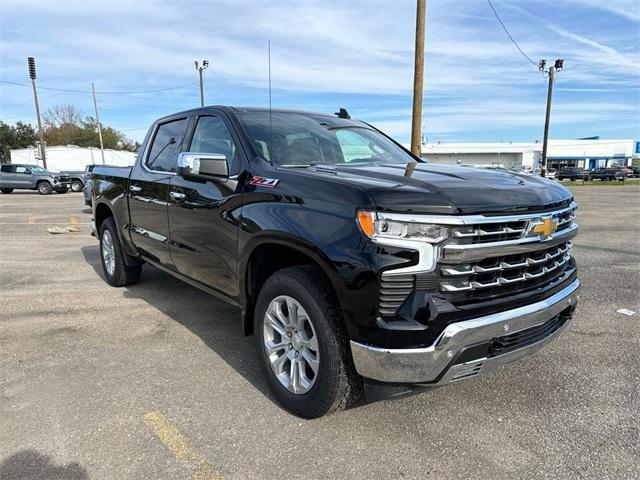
(600, 183)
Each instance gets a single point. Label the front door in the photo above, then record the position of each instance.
(23, 177)
(203, 215)
(149, 190)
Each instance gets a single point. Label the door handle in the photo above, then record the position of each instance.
(135, 188)
(177, 195)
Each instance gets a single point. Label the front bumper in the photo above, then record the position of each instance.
(461, 350)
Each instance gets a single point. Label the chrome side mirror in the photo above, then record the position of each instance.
(203, 165)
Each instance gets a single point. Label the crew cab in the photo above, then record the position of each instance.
(363, 272)
(609, 174)
(15, 176)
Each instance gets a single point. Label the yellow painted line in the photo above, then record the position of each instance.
(73, 220)
(169, 435)
(31, 220)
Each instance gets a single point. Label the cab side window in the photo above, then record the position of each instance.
(6, 168)
(211, 135)
(20, 169)
(163, 155)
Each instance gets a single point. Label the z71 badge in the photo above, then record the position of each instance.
(264, 182)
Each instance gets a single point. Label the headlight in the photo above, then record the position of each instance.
(377, 226)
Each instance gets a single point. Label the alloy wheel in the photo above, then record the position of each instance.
(291, 344)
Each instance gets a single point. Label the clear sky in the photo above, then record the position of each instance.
(330, 54)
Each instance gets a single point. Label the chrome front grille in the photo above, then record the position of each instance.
(489, 257)
(505, 270)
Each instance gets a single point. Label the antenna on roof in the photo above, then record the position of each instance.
(342, 113)
(269, 50)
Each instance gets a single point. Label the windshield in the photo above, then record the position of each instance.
(297, 139)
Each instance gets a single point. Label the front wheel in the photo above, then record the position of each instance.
(301, 345)
(114, 267)
(45, 188)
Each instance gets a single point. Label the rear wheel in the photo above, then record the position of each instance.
(44, 188)
(76, 186)
(301, 345)
(6, 190)
(115, 269)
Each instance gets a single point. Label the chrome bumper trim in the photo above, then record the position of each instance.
(480, 251)
(426, 365)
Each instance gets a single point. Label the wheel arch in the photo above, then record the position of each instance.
(269, 253)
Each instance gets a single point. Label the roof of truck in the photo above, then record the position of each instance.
(244, 109)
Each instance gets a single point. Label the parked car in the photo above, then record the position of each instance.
(32, 177)
(634, 171)
(360, 268)
(77, 178)
(609, 173)
(573, 173)
(88, 184)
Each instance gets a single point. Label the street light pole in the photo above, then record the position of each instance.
(552, 72)
(418, 80)
(32, 74)
(200, 68)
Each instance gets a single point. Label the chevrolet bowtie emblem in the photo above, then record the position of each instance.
(546, 227)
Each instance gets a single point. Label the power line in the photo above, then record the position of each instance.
(105, 92)
(511, 36)
(147, 91)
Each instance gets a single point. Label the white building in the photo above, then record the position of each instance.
(587, 153)
(72, 158)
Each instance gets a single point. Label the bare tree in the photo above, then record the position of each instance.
(61, 115)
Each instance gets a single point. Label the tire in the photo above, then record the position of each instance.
(45, 188)
(116, 272)
(6, 190)
(335, 384)
(76, 186)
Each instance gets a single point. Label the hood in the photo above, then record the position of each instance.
(436, 188)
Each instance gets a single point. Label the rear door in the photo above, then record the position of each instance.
(204, 215)
(149, 190)
(7, 176)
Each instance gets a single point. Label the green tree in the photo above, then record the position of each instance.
(20, 135)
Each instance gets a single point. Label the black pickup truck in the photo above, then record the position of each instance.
(363, 272)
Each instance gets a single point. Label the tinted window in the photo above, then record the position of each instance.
(307, 139)
(166, 144)
(6, 168)
(212, 136)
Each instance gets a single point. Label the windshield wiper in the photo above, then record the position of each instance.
(298, 165)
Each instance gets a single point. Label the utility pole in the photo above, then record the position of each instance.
(95, 106)
(32, 74)
(200, 68)
(418, 78)
(551, 74)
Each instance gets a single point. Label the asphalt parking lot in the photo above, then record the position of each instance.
(156, 380)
